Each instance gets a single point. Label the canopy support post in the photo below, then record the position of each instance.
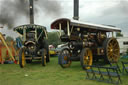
(60, 28)
(24, 34)
(112, 34)
(68, 28)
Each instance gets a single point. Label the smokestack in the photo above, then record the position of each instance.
(76, 10)
(31, 6)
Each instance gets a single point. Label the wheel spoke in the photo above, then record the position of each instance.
(116, 49)
(115, 55)
(109, 55)
(109, 46)
(115, 44)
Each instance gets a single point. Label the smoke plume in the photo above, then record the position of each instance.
(12, 10)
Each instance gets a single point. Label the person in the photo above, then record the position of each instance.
(18, 42)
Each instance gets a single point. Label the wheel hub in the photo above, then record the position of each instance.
(65, 58)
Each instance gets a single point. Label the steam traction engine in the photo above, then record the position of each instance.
(34, 44)
(87, 42)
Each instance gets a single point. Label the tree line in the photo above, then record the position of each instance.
(53, 38)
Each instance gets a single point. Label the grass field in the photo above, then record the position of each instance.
(52, 74)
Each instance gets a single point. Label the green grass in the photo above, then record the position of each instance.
(51, 74)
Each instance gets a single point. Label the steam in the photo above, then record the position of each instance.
(12, 10)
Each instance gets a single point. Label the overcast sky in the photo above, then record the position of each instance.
(109, 12)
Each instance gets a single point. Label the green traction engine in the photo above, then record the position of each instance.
(35, 44)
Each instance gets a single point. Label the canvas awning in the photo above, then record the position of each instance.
(83, 25)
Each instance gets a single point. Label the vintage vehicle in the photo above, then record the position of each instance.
(87, 42)
(60, 47)
(35, 45)
(52, 50)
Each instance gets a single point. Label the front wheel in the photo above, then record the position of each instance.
(43, 57)
(86, 58)
(64, 56)
(47, 49)
(22, 58)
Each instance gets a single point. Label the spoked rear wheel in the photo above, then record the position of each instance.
(22, 58)
(86, 58)
(64, 56)
(112, 50)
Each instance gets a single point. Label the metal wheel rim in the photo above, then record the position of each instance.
(113, 51)
(23, 59)
(44, 59)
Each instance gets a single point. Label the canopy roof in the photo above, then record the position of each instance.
(83, 25)
(29, 27)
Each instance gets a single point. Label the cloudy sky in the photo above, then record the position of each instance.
(109, 12)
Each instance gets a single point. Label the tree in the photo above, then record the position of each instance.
(9, 38)
(54, 39)
(118, 34)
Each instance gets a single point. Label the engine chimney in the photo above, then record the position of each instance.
(76, 10)
(31, 7)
